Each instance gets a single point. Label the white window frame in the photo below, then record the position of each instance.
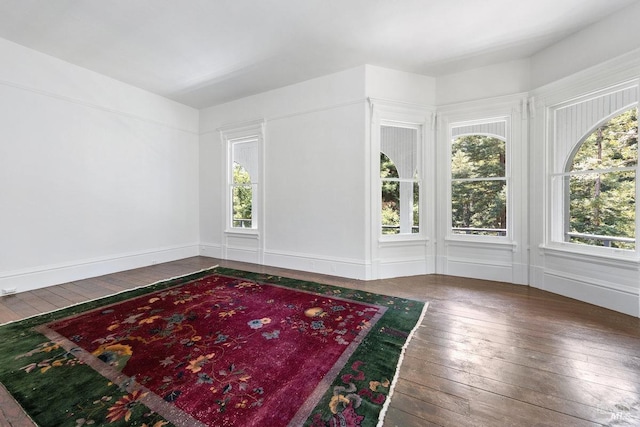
(249, 132)
(389, 113)
(419, 168)
(561, 154)
(507, 138)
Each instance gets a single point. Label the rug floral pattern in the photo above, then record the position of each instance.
(230, 351)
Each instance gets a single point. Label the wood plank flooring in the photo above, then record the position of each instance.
(486, 354)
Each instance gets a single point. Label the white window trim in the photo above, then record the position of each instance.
(556, 193)
(418, 128)
(228, 136)
(507, 138)
(390, 113)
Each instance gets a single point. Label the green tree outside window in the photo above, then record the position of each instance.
(479, 186)
(602, 185)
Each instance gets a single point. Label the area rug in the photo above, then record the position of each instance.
(215, 348)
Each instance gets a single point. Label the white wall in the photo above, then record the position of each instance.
(314, 165)
(495, 80)
(317, 171)
(95, 176)
(399, 86)
(613, 36)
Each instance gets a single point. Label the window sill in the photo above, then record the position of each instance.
(481, 240)
(402, 239)
(247, 232)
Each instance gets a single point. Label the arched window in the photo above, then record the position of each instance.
(399, 179)
(600, 185)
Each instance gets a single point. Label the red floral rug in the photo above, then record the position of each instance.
(227, 351)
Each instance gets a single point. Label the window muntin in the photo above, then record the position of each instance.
(479, 182)
(399, 180)
(600, 185)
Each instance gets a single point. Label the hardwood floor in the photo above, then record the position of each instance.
(486, 353)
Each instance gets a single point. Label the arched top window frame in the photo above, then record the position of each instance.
(569, 171)
(569, 125)
(404, 229)
(399, 114)
(592, 129)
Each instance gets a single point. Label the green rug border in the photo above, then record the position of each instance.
(392, 332)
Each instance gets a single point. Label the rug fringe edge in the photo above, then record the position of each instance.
(387, 402)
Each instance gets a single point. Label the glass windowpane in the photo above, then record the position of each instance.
(479, 207)
(242, 206)
(390, 207)
(603, 205)
(477, 156)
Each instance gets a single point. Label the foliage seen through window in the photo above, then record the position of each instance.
(479, 186)
(602, 185)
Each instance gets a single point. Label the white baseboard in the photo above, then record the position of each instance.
(353, 269)
(590, 291)
(49, 275)
(403, 267)
(213, 250)
(243, 255)
(500, 272)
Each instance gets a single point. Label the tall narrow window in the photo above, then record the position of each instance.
(243, 182)
(399, 179)
(601, 185)
(479, 179)
(243, 175)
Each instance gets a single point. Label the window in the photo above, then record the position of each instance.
(399, 179)
(600, 185)
(243, 182)
(479, 178)
(593, 180)
(243, 171)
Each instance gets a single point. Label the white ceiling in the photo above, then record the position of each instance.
(204, 52)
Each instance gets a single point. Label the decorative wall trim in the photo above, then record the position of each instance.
(480, 270)
(243, 254)
(619, 69)
(343, 267)
(496, 243)
(590, 291)
(49, 275)
(609, 261)
(475, 262)
(359, 101)
(405, 266)
(95, 106)
(588, 280)
(490, 105)
(213, 250)
(402, 107)
(407, 242)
